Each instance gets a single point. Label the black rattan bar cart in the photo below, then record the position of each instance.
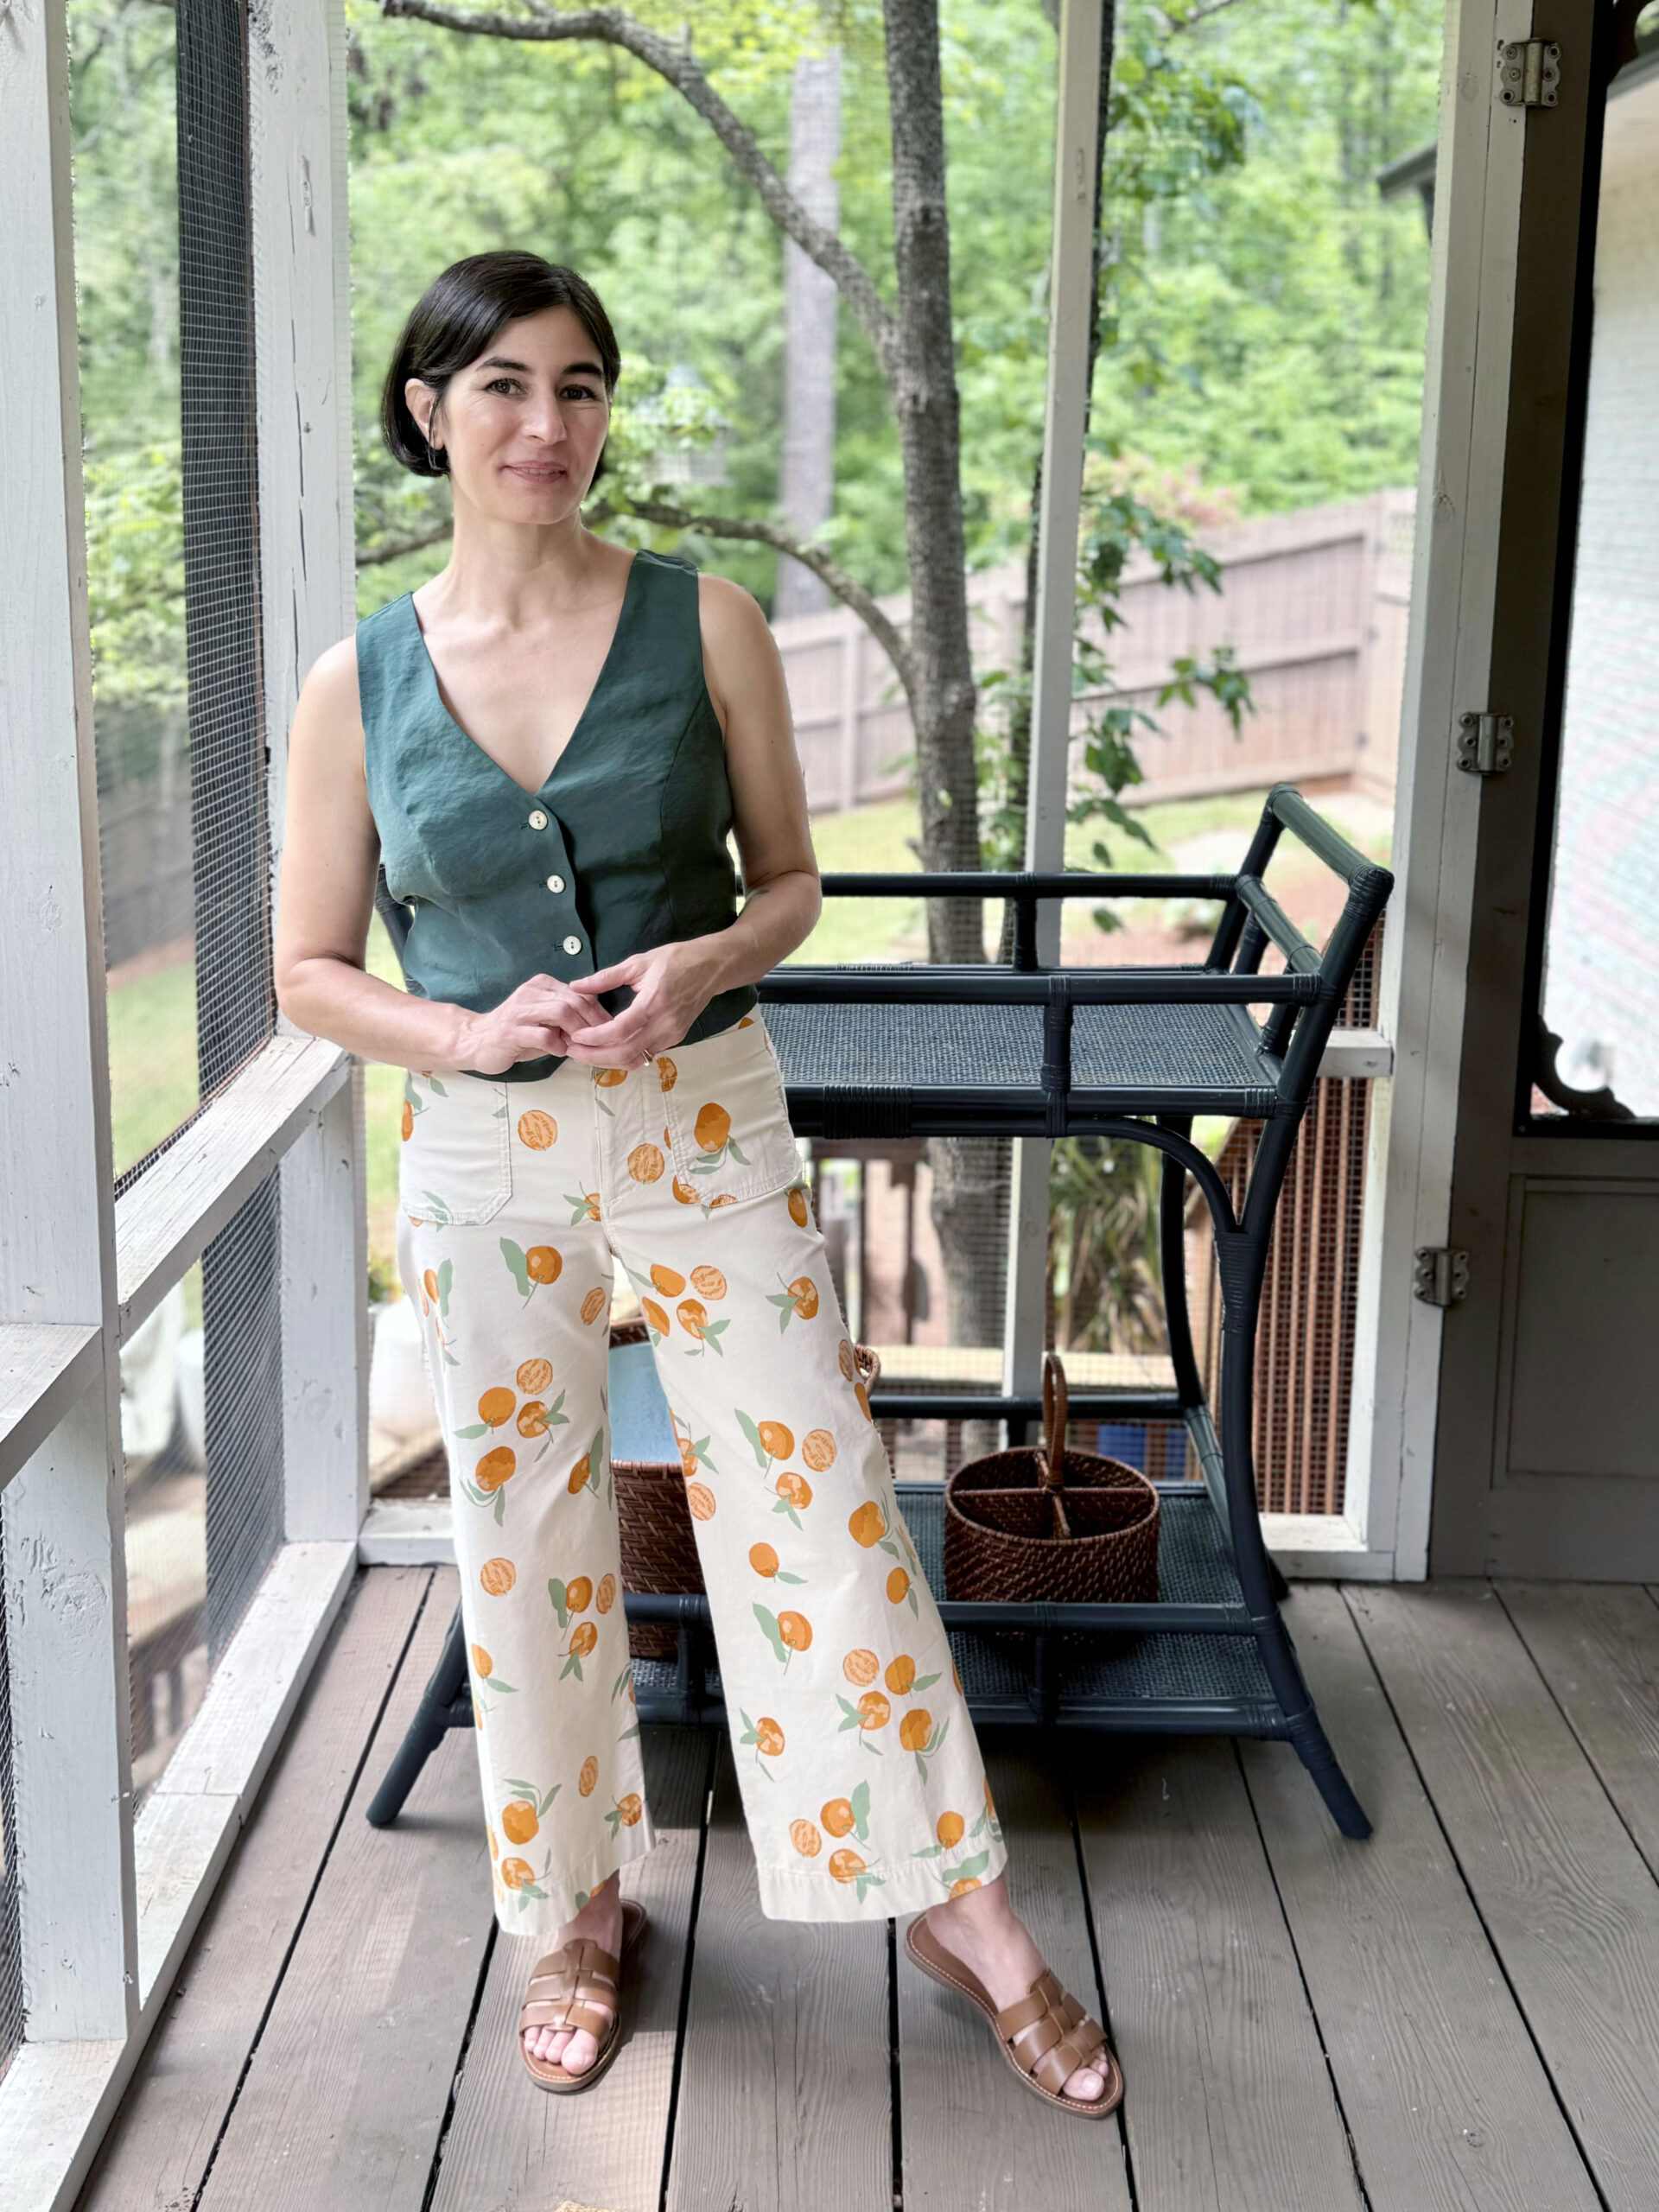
(1132, 1053)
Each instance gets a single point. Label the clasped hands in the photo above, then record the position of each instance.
(671, 984)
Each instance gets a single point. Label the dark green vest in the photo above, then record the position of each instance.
(622, 848)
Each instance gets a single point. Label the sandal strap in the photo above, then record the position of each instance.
(1049, 2033)
(564, 1986)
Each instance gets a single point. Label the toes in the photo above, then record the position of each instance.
(1085, 2085)
(580, 2052)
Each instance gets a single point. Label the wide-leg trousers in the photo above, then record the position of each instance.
(862, 1784)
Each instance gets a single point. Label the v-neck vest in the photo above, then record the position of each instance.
(623, 848)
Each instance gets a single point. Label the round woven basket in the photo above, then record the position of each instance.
(1043, 1524)
(654, 1510)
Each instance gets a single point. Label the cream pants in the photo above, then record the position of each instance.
(862, 1784)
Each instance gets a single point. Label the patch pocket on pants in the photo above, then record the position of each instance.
(455, 1167)
(727, 1116)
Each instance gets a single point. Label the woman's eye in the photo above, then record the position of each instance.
(501, 383)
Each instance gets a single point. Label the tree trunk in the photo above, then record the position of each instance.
(925, 404)
(811, 303)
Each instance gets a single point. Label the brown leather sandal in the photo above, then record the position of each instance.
(1045, 2034)
(561, 1993)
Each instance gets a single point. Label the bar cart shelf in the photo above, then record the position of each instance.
(898, 1051)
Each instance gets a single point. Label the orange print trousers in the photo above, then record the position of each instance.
(862, 1784)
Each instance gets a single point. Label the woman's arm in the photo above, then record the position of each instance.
(326, 897)
(744, 672)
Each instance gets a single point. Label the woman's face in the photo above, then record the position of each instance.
(523, 425)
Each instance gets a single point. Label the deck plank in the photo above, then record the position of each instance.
(1227, 2100)
(156, 2152)
(1596, 1645)
(783, 2094)
(970, 2134)
(347, 2087)
(514, 2148)
(1447, 2102)
(1567, 1899)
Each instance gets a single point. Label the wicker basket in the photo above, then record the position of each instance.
(1041, 1524)
(659, 1544)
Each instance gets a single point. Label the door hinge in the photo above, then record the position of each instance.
(1528, 71)
(1440, 1275)
(1485, 743)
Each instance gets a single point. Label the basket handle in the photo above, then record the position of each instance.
(1051, 1472)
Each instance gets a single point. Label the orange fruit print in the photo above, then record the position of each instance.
(712, 1127)
(494, 1408)
(495, 1467)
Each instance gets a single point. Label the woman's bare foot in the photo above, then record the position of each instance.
(985, 1932)
(601, 1920)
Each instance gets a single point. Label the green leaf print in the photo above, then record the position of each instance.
(967, 1870)
(861, 1804)
(737, 1151)
(438, 1208)
(626, 1733)
(616, 1686)
(436, 1087)
(780, 1576)
(785, 1301)
(445, 1276)
(573, 1665)
(934, 1744)
(784, 1506)
(514, 1255)
(923, 1682)
(762, 1456)
(769, 1622)
(473, 1430)
(529, 1789)
(868, 1881)
(556, 1591)
(855, 1720)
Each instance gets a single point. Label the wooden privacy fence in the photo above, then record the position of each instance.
(1313, 602)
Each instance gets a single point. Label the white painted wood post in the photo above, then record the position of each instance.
(296, 137)
(1070, 308)
(66, 1575)
(1424, 957)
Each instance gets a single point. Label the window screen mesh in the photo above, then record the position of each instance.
(164, 300)
(205, 1506)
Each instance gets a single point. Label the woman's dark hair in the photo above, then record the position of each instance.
(452, 323)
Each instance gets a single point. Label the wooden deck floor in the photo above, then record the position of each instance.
(1462, 2012)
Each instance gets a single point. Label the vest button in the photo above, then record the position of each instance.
(538, 820)
(572, 945)
(556, 883)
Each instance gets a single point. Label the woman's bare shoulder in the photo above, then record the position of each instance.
(739, 651)
(331, 684)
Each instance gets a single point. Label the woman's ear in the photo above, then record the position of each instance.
(422, 402)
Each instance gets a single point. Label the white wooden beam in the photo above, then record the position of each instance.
(65, 1591)
(44, 1367)
(1071, 311)
(296, 136)
(167, 1218)
(1422, 990)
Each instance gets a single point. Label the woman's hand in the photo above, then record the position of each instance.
(671, 984)
(533, 1021)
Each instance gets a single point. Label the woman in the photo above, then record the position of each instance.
(547, 745)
